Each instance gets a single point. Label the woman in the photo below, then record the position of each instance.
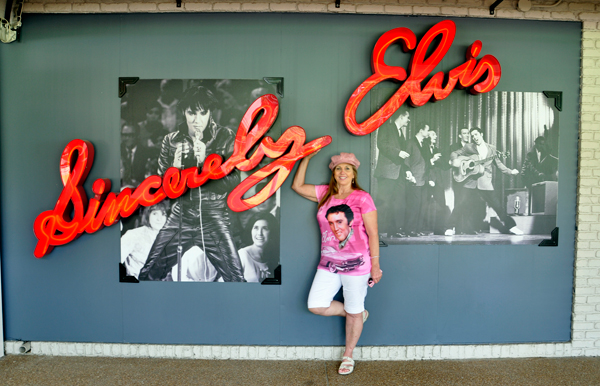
(350, 247)
(136, 243)
(260, 259)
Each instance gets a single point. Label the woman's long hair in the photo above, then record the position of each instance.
(333, 188)
(162, 206)
(271, 248)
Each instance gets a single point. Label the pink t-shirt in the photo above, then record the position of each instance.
(344, 239)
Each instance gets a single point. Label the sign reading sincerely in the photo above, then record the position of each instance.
(72, 215)
(467, 75)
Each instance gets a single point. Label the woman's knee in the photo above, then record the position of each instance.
(317, 310)
(354, 316)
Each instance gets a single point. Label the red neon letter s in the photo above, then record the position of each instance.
(55, 227)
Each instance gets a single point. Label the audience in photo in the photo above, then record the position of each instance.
(261, 257)
(136, 243)
(134, 157)
(152, 130)
(170, 91)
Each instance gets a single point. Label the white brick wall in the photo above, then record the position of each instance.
(378, 353)
(586, 307)
(568, 10)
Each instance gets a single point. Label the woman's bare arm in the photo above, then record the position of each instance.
(299, 185)
(370, 221)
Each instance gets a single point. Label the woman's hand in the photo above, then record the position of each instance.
(370, 221)
(308, 157)
(376, 272)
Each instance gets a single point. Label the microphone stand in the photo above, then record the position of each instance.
(179, 246)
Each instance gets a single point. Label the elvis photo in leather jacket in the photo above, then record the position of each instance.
(199, 217)
(201, 237)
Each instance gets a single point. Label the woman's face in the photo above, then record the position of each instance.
(343, 174)
(260, 233)
(196, 120)
(153, 115)
(157, 219)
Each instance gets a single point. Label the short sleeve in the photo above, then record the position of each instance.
(321, 190)
(128, 244)
(367, 204)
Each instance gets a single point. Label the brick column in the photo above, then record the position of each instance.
(586, 306)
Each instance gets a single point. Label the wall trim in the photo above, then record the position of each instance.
(365, 353)
(572, 10)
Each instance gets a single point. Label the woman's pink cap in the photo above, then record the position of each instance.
(344, 158)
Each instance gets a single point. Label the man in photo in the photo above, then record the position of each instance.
(152, 131)
(340, 218)
(539, 164)
(199, 218)
(391, 174)
(480, 185)
(134, 157)
(457, 222)
(170, 89)
(464, 137)
(436, 210)
(416, 175)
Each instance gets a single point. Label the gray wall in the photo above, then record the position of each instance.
(60, 82)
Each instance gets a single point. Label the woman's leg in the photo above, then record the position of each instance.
(335, 309)
(355, 291)
(354, 327)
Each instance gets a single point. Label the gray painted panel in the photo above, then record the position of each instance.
(60, 83)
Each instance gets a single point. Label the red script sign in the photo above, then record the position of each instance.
(72, 216)
(467, 75)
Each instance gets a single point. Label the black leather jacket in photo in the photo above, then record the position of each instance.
(199, 217)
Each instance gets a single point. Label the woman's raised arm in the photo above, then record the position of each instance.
(299, 186)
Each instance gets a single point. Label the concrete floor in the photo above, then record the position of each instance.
(48, 371)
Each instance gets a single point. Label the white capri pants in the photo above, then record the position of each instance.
(326, 284)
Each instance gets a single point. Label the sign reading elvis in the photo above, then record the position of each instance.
(468, 75)
(73, 214)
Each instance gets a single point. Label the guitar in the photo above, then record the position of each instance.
(472, 165)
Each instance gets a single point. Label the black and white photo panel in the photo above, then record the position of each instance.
(196, 237)
(467, 170)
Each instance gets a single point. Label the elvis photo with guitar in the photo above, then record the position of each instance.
(473, 167)
(468, 170)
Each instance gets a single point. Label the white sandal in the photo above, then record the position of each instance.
(347, 365)
(365, 315)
